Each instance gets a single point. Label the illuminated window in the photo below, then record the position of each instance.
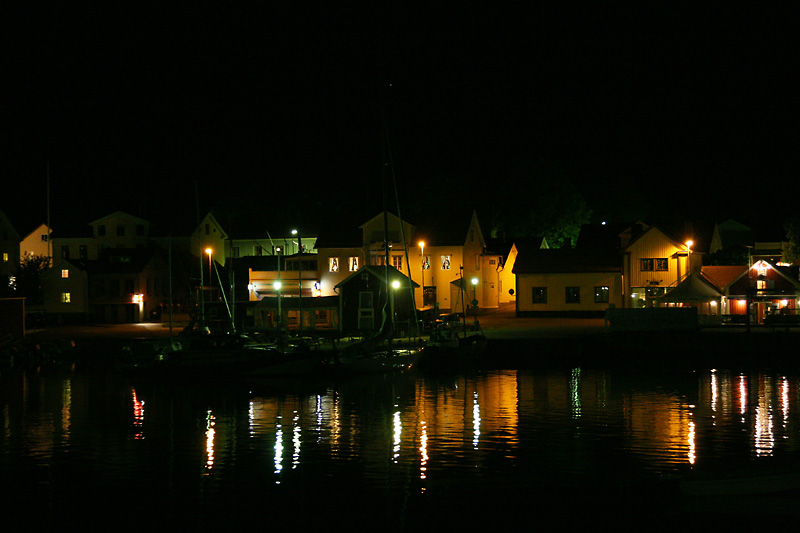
(540, 295)
(353, 261)
(426, 262)
(573, 295)
(5, 257)
(601, 295)
(333, 264)
(445, 262)
(66, 298)
(65, 273)
(397, 262)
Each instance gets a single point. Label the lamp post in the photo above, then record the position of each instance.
(299, 280)
(422, 280)
(210, 275)
(689, 244)
(474, 298)
(277, 286)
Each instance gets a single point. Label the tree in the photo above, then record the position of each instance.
(791, 253)
(29, 280)
(543, 202)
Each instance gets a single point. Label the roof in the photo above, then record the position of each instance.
(694, 288)
(723, 276)
(563, 261)
(380, 273)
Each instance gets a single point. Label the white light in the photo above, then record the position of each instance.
(277, 285)
(395, 284)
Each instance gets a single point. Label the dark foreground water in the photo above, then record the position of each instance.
(486, 449)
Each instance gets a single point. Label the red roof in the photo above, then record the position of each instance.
(723, 276)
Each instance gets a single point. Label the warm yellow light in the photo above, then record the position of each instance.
(689, 243)
(208, 251)
(422, 244)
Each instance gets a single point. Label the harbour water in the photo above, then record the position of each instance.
(586, 444)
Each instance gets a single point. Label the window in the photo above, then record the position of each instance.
(477, 262)
(65, 251)
(66, 298)
(445, 262)
(601, 295)
(353, 262)
(44, 237)
(659, 264)
(333, 264)
(397, 262)
(65, 273)
(365, 299)
(426, 262)
(235, 251)
(83, 251)
(258, 250)
(540, 295)
(5, 257)
(573, 295)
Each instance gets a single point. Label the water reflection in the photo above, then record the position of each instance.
(418, 434)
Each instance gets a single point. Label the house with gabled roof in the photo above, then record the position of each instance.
(764, 288)
(653, 261)
(568, 282)
(9, 247)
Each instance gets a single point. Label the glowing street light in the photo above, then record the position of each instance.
(422, 281)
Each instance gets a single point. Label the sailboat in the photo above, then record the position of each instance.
(455, 344)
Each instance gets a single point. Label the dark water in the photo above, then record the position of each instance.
(585, 445)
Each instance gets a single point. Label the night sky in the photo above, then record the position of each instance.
(650, 108)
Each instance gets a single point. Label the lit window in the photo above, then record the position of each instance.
(445, 262)
(65, 298)
(397, 262)
(333, 264)
(65, 273)
(426, 262)
(601, 295)
(5, 257)
(353, 261)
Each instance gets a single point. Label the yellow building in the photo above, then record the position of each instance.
(654, 261)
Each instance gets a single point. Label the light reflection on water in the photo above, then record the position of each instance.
(414, 434)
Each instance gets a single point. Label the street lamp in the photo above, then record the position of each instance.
(474, 297)
(299, 280)
(277, 286)
(422, 254)
(689, 244)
